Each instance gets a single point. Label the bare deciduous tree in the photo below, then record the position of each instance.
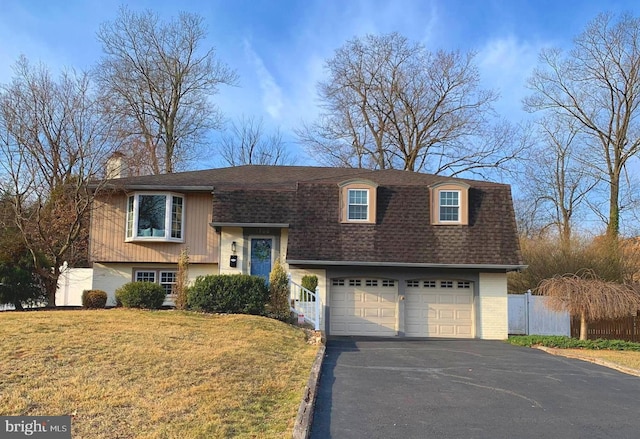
(245, 143)
(590, 298)
(53, 141)
(527, 220)
(390, 103)
(597, 84)
(557, 181)
(160, 83)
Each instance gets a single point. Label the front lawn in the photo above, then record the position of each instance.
(162, 374)
(630, 359)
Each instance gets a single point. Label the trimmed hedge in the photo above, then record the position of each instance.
(235, 293)
(148, 295)
(556, 341)
(94, 299)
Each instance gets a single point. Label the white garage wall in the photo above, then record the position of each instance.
(492, 307)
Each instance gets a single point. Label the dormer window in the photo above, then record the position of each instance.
(155, 217)
(450, 206)
(358, 208)
(449, 203)
(358, 201)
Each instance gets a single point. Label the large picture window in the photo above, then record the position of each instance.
(155, 216)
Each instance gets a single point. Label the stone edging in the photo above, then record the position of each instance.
(598, 361)
(302, 426)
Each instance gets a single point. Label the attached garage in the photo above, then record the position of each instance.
(363, 306)
(439, 308)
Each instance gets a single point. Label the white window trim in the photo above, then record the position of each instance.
(459, 220)
(366, 205)
(167, 220)
(157, 275)
(162, 284)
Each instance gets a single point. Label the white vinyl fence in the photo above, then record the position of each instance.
(529, 316)
(71, 283)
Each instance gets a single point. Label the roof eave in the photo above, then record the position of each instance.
(161, 187)
(507, 267)
(269, 225)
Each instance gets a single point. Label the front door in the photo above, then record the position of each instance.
(261, 255)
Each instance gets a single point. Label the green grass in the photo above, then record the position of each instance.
(616, 352)
(553, 341)
(164, 374)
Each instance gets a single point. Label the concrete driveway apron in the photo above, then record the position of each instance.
(390, 388)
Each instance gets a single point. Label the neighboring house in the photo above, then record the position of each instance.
(396, 253)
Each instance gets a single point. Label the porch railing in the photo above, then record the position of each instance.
(305, 303)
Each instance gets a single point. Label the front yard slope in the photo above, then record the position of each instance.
(164, 374)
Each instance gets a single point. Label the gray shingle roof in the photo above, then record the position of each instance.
(307, 198)
(254, 206)
(250, 176)
(403, 233)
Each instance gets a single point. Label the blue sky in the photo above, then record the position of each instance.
(278, 47)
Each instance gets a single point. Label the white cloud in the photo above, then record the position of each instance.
(505, 65)
(326, 26)
(271, 92)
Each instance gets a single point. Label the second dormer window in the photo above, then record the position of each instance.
(358, 207)
(450, 206)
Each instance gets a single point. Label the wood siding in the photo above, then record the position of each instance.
(108, 233)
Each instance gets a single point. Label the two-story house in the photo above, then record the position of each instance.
(396, 253)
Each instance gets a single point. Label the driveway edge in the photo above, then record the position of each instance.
(302, 426)
(598, 361)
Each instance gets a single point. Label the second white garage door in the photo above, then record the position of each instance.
(442, 308)
(361, 306)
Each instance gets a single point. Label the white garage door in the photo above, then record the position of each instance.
(442, 308)
(362, 306)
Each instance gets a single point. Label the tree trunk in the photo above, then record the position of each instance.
(583, 326)
(50, 281)
(613, 228)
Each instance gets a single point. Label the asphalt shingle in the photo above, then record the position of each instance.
(308, 199)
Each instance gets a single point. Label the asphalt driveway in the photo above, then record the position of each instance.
(468, 389)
